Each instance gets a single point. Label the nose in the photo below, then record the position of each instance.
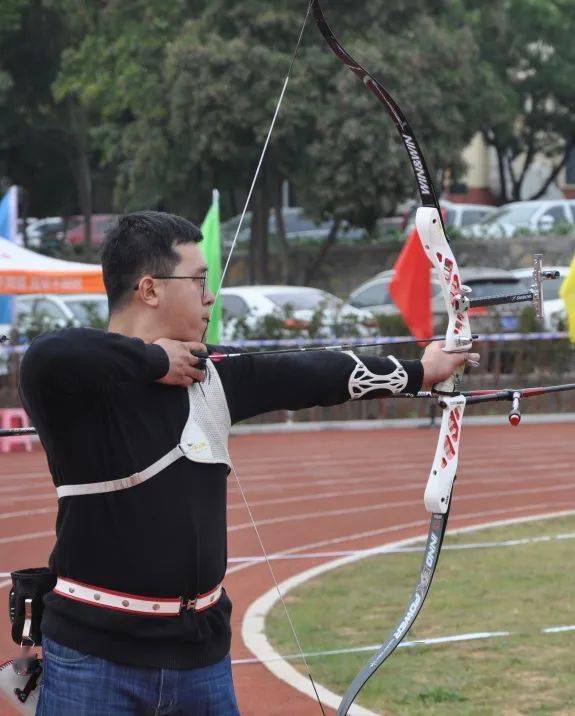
(209, 296)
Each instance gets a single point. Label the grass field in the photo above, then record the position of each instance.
(521, 589)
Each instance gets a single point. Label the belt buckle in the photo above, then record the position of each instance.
(188, 605)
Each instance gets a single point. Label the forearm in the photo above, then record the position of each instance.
(257, 384)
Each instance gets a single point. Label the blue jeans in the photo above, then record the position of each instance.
(75, 684)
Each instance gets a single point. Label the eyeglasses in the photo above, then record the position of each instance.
(202, 278)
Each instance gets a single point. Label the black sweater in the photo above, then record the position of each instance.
(101, 415)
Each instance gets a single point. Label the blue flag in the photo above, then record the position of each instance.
(8, 230)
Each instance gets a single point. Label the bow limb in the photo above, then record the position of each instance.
(458, 339)
(429, 219)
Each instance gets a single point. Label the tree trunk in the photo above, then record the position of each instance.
(81, 170)
(554, 173)
(331, 239)
(259, 270)
(503, 196)
(283, 249)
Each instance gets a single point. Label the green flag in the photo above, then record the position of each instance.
(212, 249)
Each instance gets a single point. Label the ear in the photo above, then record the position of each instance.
(147, 291)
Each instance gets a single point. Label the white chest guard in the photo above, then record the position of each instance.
(204, 438)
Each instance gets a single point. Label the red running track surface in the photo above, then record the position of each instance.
(327, 487)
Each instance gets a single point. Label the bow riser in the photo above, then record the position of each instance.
(458, 338)
(444, 468)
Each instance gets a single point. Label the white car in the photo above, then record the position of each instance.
(295, 307)
(456, 215)
(374, 295)
(536, 216)
(554, 312)
(59, 310)
(41, 229)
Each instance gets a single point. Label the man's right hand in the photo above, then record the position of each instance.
(183, 365)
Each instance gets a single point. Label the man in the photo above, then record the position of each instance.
(136, 437)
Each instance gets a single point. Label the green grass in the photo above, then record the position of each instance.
(519, 589)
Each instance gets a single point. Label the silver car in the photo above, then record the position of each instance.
(533, 216)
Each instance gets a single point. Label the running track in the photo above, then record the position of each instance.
(317, 491)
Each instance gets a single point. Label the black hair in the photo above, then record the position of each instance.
(139, 244)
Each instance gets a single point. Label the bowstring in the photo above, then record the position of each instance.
(224, 272)
(265, 148)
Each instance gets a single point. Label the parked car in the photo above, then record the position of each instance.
(455, 215)
(38, 232)
(536, 216)
(294, 306)
(554, 312)
(374, 295)
(486, 282)
(298, 227)
(61, 310)
(100, 223)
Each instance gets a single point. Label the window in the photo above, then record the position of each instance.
(435, 289)
(304, 300)
(23, 308)
(234, 306)
(375, 295)
(50, 310)
(516, 214)
(550, 288)
(553, 215)
(86, 311)
(483, 288)
(473, 216)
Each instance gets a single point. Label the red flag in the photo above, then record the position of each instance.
(411, 287)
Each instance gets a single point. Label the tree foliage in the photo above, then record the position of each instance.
(525, 93)
(119, 106)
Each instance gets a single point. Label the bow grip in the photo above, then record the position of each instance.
(451, 385)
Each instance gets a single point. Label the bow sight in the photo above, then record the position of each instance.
(535, 294)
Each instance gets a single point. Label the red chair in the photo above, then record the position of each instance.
(14, 418)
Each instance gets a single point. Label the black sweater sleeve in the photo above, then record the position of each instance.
(256, 384)
(76, 360)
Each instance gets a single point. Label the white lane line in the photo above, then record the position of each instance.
(325, 495)
(558, 629)
(415, 524)
(25, 476)
(22, 488)
(27, 536)
(253, 623)
(367, 475)
(27, 513)
(50, 533)
(404, 487)
(406, 550)
(472, 636)
(29, 498)
(320, 514)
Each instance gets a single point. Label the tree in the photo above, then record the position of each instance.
(48, 149)
(525, 93)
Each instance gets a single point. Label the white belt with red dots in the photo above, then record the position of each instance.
(133, 604)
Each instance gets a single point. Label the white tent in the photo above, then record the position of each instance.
(24, 271)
